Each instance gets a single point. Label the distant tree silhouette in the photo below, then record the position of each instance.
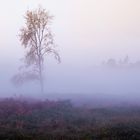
(37, 39)
(122, 63)
(111, 62)
(126, 60)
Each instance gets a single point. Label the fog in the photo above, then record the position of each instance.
(88, 33)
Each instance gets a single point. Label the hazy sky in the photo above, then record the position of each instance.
(86, 32)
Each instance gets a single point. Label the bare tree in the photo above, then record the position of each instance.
(37, 39)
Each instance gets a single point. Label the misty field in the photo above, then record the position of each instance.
(60, 120)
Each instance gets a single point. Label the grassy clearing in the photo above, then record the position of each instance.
(60, 120)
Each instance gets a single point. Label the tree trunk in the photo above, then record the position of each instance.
(41, 77)
(41, 84)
